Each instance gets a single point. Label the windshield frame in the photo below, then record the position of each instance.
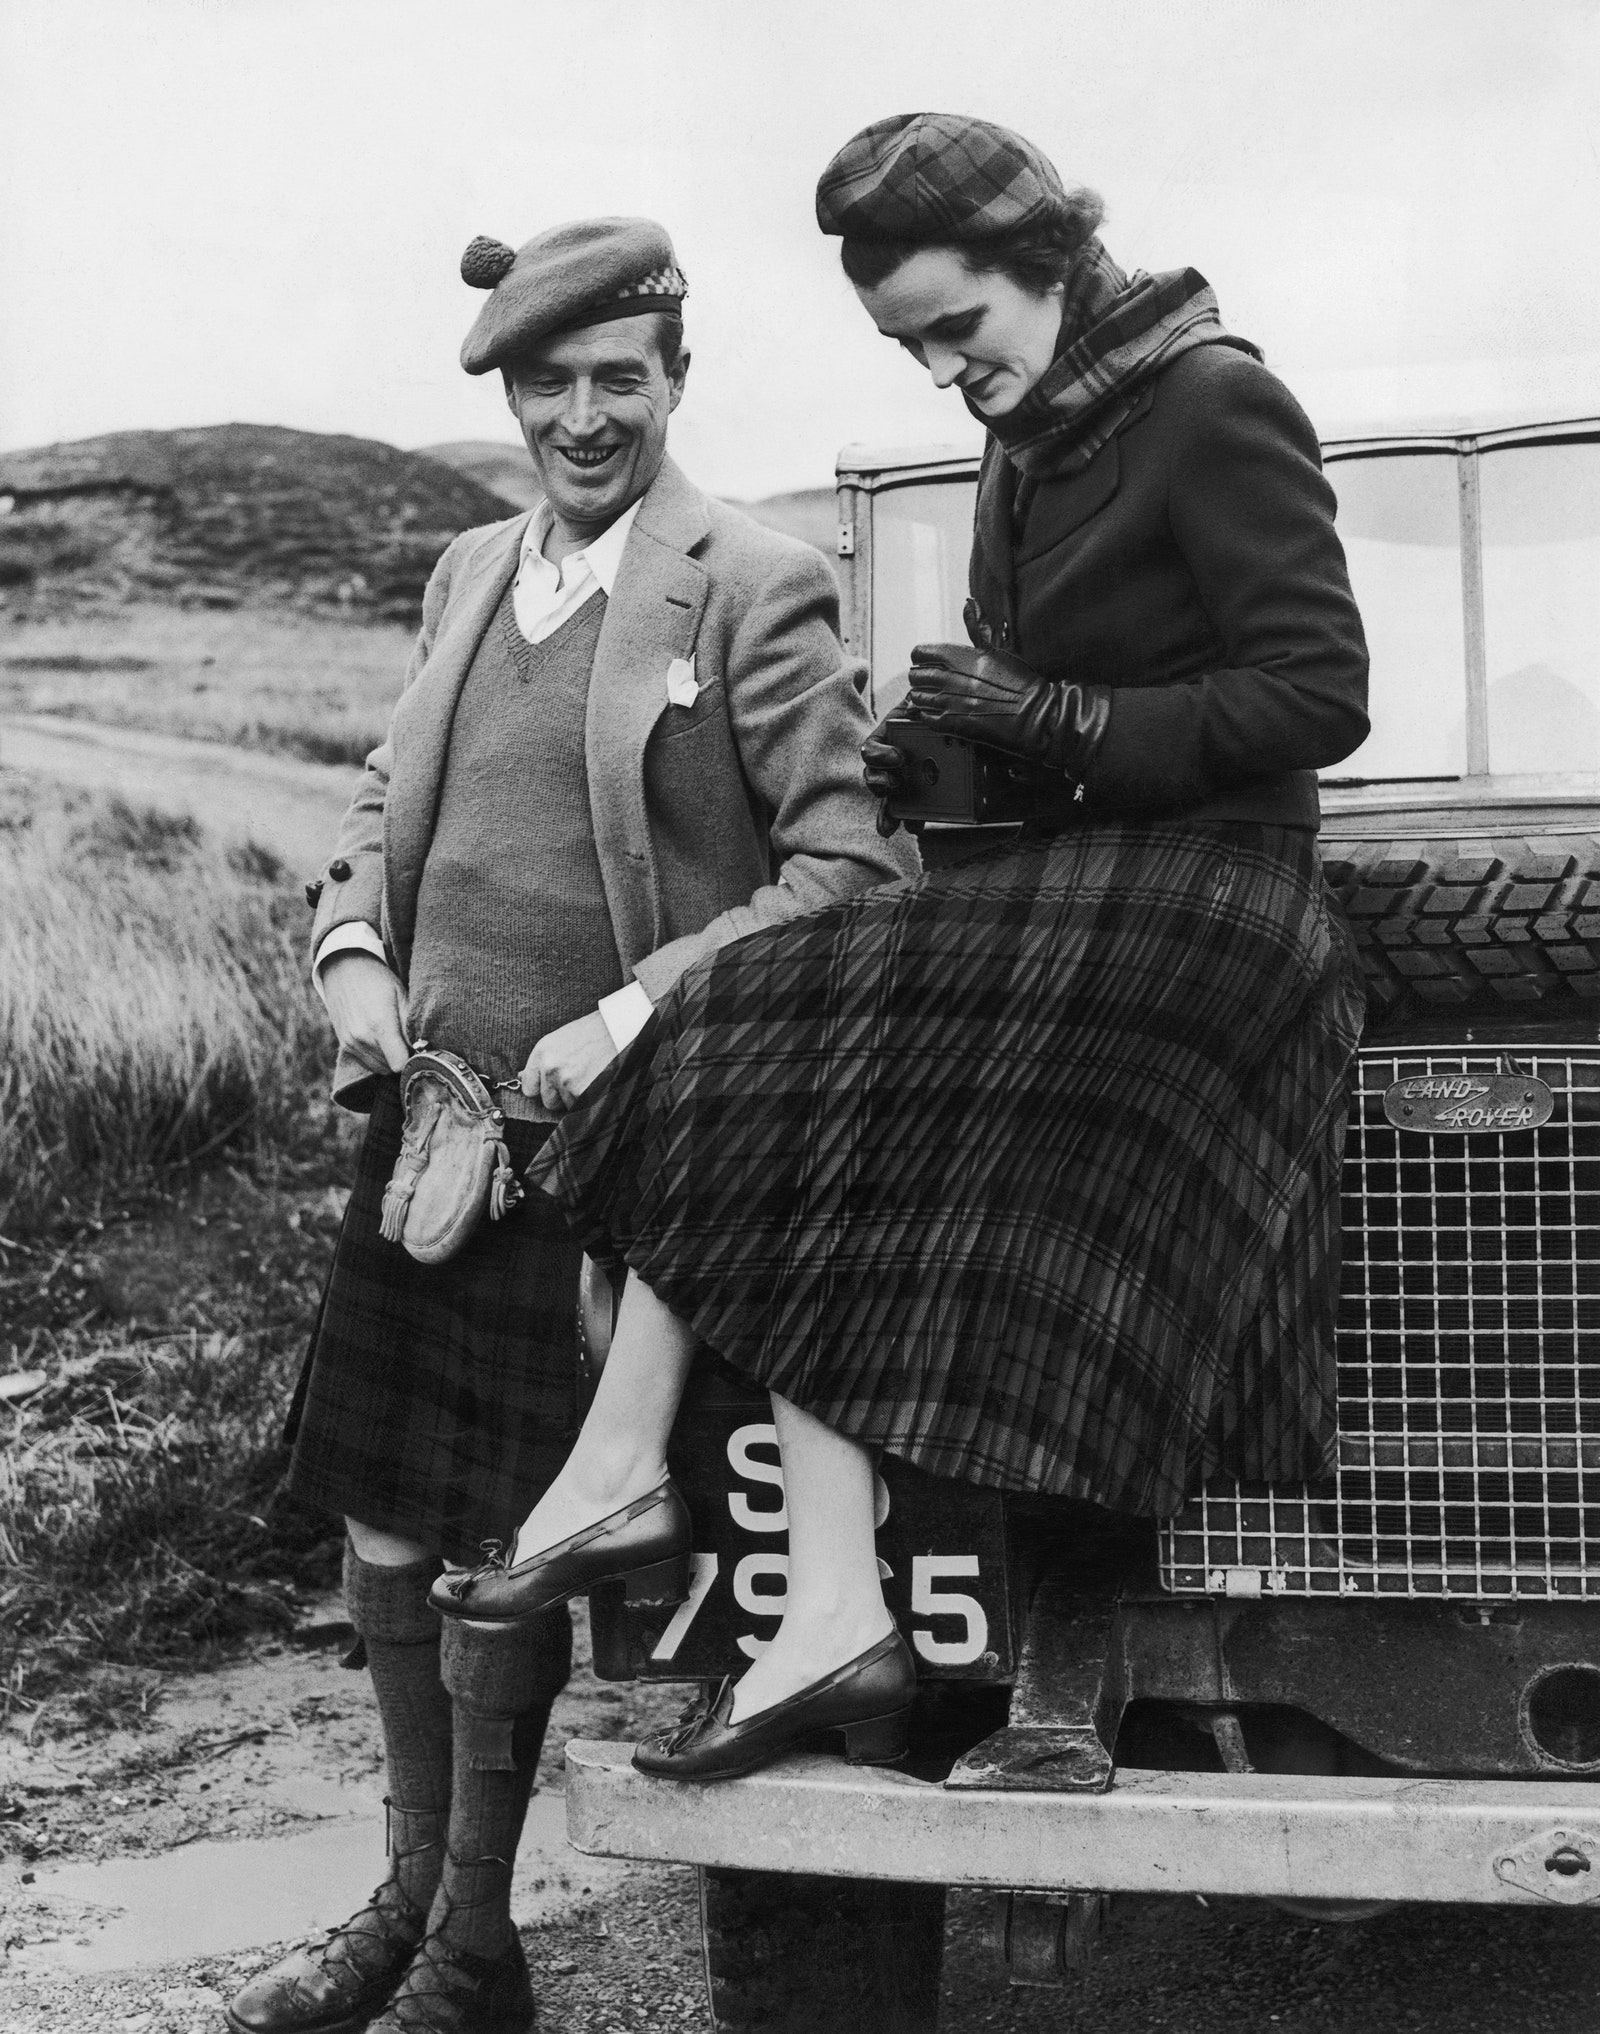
(863, 473)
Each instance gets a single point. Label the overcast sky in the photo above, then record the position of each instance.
(220, 209)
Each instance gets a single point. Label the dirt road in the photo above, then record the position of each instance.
(148, 1872)
(291, 807)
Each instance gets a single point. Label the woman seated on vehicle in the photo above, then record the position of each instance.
(1025, 1170)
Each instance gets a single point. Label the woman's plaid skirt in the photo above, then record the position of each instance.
(1025, 1171)
(438, 1400)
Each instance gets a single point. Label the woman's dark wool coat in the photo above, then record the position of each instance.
(1193, 567)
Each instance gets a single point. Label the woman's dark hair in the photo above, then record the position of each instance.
(1035, 257)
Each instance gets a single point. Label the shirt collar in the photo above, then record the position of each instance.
(603, 555)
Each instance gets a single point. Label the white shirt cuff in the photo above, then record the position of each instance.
(352, 937)
(626, 1012)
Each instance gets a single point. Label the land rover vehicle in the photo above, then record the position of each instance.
(1385, 1687)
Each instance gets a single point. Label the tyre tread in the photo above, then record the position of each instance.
(1449, 932)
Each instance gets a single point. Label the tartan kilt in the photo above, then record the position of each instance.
(1025, 1171)
(437, 1401)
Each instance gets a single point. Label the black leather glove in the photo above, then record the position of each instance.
(884, 768)
(989, 696)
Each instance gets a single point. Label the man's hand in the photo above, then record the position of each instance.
(564, 1062)
(883, 766)
(367, 1005)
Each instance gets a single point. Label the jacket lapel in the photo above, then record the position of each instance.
(652, 617)
(991, 572)
(1061, 506)
(423, 720)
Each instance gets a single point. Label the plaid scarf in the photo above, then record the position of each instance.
(1117, 333)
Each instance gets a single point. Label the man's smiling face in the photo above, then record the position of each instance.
(593, 406)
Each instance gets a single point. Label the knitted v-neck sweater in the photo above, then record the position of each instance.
(513, 934)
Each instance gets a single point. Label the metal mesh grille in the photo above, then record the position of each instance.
(1469, 1369)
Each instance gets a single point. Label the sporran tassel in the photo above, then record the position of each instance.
(396, 1199)
(506, 1190)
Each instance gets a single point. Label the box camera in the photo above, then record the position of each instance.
(950, 781)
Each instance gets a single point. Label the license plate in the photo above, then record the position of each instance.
(941, 1552)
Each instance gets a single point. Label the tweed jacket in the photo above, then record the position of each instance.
(711, 820)
(1193, 567)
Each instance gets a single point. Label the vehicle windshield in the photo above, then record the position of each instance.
(1400, 519)
(1541, 588)
(921, 537)
(1526, 672)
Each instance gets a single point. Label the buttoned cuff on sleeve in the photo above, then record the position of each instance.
(351, 937)
(626, 1012)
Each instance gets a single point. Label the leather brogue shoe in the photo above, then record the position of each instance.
(338, 1986)
(868, 1700)
(450, 1991)
(643, 1549)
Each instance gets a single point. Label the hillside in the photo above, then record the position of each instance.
(227, 516)
(506, 469)
(810, 514)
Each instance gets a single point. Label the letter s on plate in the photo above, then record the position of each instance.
(762, 1434)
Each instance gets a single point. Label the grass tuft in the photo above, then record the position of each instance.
(302, 685)
(139, 1518)
(153, 1005)
(167, 1210)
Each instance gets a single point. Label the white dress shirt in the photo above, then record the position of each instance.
(544, 597)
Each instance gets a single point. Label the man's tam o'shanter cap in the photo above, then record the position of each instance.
(583, 273)
(936, 179)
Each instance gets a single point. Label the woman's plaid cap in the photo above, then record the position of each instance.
(936, 179)
(583, 273)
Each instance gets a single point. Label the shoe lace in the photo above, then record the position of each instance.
(392, 1808)
(363, 1944)
(440, 1976)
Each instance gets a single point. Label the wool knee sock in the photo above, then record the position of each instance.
(502, 1682)
(390, 1611)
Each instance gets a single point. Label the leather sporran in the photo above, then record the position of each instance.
(453, 1161)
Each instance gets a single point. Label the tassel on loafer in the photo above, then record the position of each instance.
(643, 1549)
(868, 1699)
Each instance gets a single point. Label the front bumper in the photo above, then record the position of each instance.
(1249, 1835)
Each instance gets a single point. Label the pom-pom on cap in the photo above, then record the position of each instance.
(937, 179)
(486, 262)
(583, 273)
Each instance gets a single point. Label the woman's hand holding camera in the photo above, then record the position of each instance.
(989, 696)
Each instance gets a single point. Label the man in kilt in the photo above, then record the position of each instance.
(628, 735)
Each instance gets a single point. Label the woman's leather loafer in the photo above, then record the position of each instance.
(643, 1549)
(868, 1699)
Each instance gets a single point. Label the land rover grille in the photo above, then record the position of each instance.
(1469, 1363)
